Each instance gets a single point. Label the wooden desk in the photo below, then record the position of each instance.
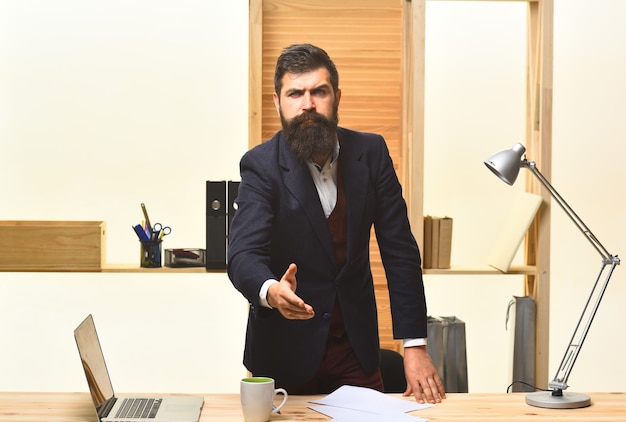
(76, 407)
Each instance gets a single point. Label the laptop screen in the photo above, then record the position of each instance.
(93, 362)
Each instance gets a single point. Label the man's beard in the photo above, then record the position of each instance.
(311, 135)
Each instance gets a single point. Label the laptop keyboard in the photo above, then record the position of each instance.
(139, 408)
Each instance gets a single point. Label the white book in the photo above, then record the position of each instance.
(509, 238)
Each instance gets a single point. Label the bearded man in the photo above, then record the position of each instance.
(299, 245)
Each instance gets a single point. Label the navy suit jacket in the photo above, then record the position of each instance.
(280, 221)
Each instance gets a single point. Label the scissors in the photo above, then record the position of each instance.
(160, 231)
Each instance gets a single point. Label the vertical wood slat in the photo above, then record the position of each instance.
(538, 143)
(414, 78)
(255, 73)
(364, 39)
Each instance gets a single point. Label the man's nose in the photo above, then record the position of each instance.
(308, 103)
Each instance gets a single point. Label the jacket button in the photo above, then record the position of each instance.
(327, 315)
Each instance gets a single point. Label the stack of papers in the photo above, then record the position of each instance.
(348, 404)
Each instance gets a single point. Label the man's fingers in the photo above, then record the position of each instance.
(428, 393)
(291, 271)
(297, 312)
(409, 390)
(422, 376)
(290, 276)
(298, 308)
(284, 298)
(431, 390)
(290, 305)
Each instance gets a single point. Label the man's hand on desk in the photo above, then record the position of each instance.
(421, 376)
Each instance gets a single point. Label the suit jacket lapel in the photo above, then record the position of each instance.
(355, 180)
(297, 179)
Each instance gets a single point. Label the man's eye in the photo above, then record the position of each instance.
(320, 92)
(293, 94)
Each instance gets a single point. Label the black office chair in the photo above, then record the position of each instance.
(392, 371)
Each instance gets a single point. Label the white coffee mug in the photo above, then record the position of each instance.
(257, 398)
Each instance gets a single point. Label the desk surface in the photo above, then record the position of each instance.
(76, 407)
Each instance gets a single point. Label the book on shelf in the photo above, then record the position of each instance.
(437, 242)
(445, 242)
(427, 256)
(513, 230)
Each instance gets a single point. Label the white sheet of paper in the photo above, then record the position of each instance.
(340, 414)
(368, 400)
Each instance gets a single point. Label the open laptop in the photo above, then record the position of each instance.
(113, 409)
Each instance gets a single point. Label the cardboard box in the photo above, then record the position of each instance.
(52, 245)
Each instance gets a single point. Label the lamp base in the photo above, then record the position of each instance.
(566, 401)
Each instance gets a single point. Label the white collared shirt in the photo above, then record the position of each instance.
(325, 179)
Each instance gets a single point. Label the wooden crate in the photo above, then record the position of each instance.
(52, 245)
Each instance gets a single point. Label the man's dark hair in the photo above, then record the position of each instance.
(303, 58)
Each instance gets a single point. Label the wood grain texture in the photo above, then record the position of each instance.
(364, 39)
(52, 245)
(498, 407)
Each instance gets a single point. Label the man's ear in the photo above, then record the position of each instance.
(338, 96)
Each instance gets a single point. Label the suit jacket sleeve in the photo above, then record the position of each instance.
(249, 246)
(400, 254)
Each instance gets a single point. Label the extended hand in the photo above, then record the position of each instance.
(421, 376)
(282, 296)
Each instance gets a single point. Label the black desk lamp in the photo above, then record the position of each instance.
(506, 165)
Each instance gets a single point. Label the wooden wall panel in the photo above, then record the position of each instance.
(364, 39)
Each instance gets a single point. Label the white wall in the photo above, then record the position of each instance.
(109, 104)
(589, 148)
(474, 108)
(104, 105)
(159, 333)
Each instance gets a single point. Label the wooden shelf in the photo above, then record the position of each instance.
(133, 268)
(115, 268)
(482, 270)
(455, 270)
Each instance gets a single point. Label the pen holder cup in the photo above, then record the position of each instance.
(151, 253)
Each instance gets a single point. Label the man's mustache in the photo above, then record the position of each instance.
(310, 116)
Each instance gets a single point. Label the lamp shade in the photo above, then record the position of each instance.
(506, 164)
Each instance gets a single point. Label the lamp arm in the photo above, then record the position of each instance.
(559, 383)
(606, 256)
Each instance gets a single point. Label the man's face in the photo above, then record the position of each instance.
(311, 91)
(308, 111)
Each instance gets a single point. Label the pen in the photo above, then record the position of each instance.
(145, 214)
